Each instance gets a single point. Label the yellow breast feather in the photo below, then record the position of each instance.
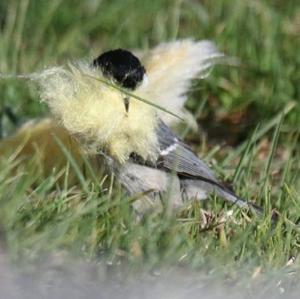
(94, 112)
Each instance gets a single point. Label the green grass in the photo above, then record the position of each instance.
(254, 106)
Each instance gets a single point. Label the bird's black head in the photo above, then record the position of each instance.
(122, 66)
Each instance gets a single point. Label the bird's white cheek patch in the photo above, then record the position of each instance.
(169, 149)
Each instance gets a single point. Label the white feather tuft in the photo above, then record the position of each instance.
(171, 67)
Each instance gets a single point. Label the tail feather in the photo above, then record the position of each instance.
(200, 190)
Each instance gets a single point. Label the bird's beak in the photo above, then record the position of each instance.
(126, 104)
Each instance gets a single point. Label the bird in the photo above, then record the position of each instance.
(122, 107)
(106, 105)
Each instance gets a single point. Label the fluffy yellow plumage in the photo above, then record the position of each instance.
(94, 112)
(76, 101)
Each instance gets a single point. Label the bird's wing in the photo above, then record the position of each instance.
(177, 156)
(170, 68)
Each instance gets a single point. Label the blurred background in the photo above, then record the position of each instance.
(259, 95)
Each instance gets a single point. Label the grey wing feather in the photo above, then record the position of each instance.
(177, 156)
(195, 174)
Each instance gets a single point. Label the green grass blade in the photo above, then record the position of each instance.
(126, 92)
(74, 165)
(264, 129)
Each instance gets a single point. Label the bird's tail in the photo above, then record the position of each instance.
(200, 188)
(231, 197)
